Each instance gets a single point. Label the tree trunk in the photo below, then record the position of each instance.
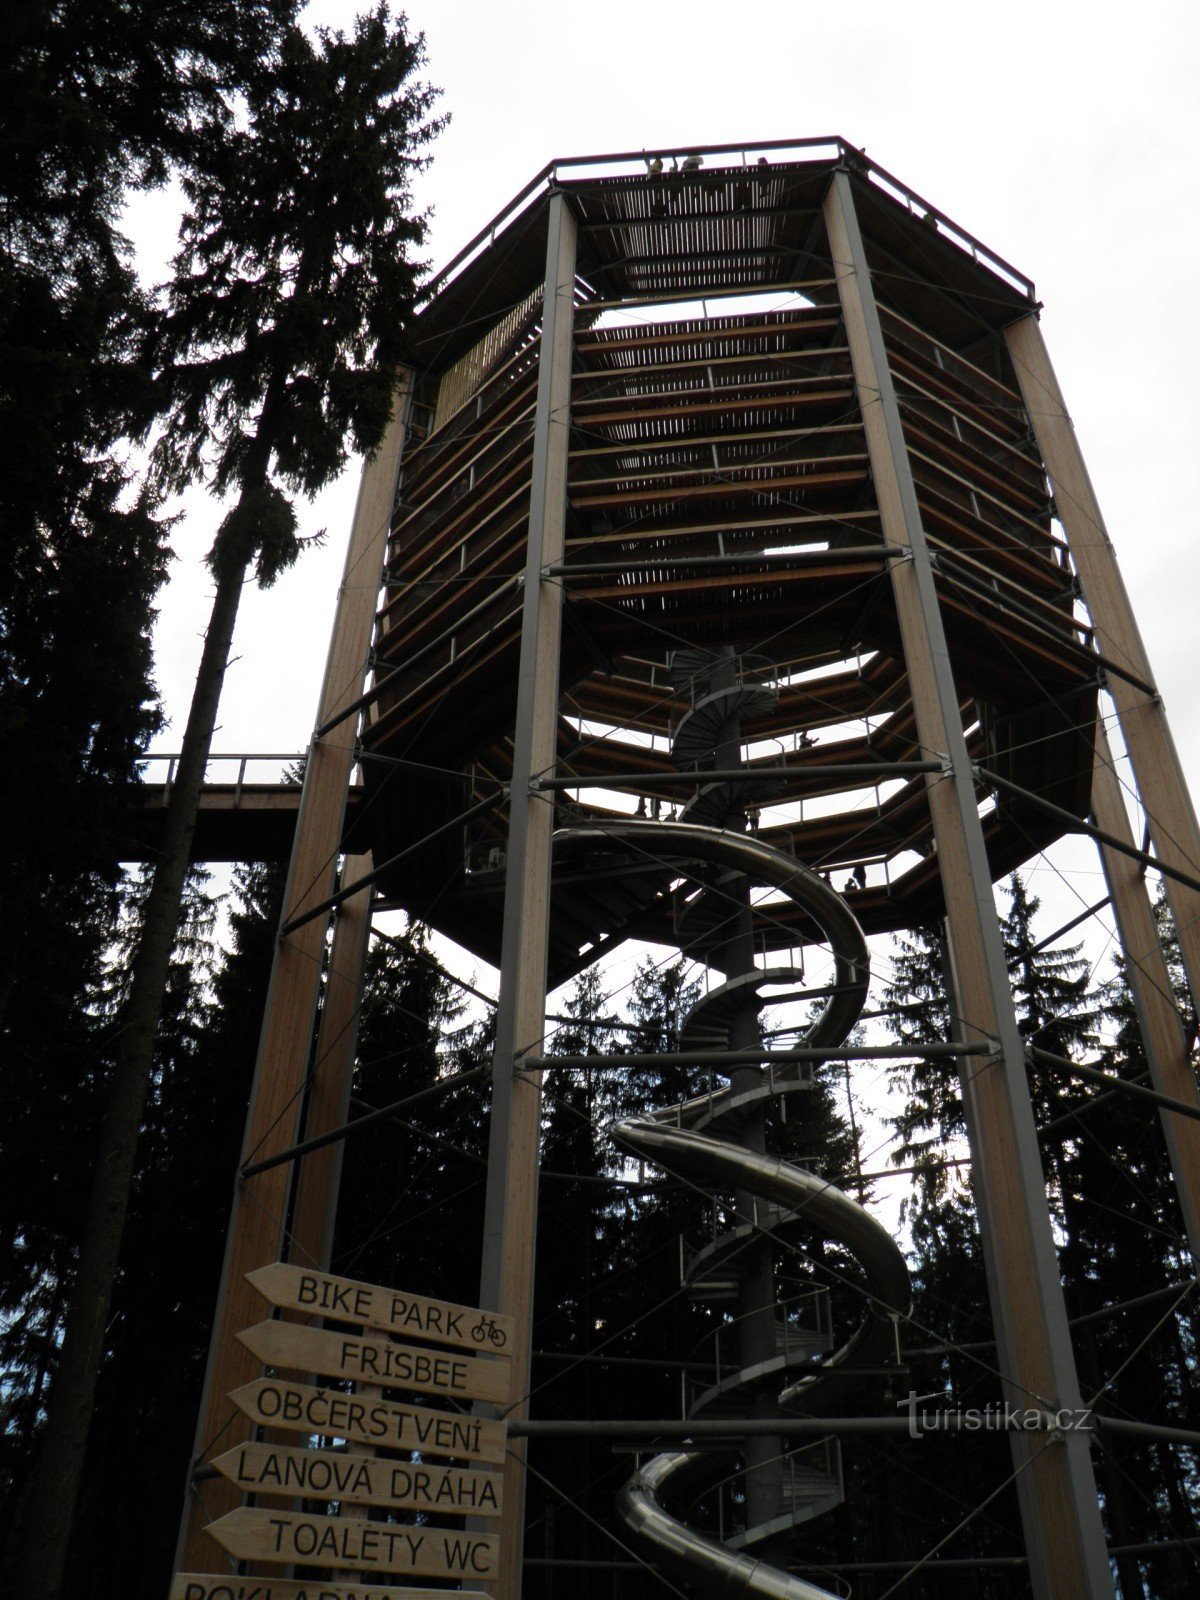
(37, 1550)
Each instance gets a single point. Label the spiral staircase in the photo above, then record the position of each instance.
(760, 1358)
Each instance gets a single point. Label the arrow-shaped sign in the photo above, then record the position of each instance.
(222, 1586)
(372, 1306)
(276, 1469)
(369, 1419)
(286, 1536)
(301, 1408)
(396, 1366)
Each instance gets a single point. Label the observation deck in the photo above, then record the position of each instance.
(720, 496)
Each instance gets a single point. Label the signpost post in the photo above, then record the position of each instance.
(378, 1361)
(225, 1586)
(275, 1469)
(301, 1408)
(345, 1300)
(473, 1364)
(284, 1536)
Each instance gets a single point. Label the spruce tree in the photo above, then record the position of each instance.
(942, 1477)
(1127, 1240)
(276, 353)
(1117, 1227)
(412, 1187)
(95, 101)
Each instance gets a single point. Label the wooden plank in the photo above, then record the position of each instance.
(699, 333)
(822, 522)
(287, 1536)
(734, 488)
(762, 577)
(846, 462)
(398, 1366)
(373, 1306)
(1149, 979)
(1056, 1488)
(755, 358)
(302, 1408)
(318, 1175)
(276, 1469)
(646, 444)
(1003, 393)
(1169, 810)
(461, 380)
(664, 402)
(706, 404)
(227, 1586)
(257, 1222)
(510, 1210)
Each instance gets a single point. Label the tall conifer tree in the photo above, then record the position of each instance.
(276, 354)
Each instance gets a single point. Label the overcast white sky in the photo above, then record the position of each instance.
(1063, 136)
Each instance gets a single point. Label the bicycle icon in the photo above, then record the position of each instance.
(486, 1328)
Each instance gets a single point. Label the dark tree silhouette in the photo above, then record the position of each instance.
(276, 354)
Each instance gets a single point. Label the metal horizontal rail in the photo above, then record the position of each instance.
(840, 147)
(1167, 1102)
(699, 1429)
(368, 878)
(1114, 1310)
(784, 558)
(876, 770)
(405, 666)
(1081, 1108)
(369, 1119)
(941, 1564)
(1006, 602)
(551, 170)
(243, 759)
(1053, 938)
(674, 297)
(734, 1058)
(237, 755)
(1078, 825)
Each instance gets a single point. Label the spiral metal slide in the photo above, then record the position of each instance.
(672, 1139)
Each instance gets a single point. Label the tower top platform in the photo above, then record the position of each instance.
(744, 220)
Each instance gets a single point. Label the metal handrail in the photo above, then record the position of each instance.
(285, 758)
(822, 1324)
(835, 144)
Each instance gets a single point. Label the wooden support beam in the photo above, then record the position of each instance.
(319, 1173)
(510, 1218)
(1159, 776)
(256, 1229)
(1166, 1045)
(1055, 1484)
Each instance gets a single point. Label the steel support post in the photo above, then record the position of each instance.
(256, 1229)
(510, 1216)
(1169, 811)
(1149, 980)
(1054, 1480)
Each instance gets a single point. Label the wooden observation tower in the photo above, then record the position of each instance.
(730, 516)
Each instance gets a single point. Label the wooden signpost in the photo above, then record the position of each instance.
(274, 1469)
(301, 1408)
(472, 1365)
(224, 1586)
(345, 1300)
(286, 1536)
(377, 1361)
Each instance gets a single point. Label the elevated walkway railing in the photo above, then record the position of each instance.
(234, 772)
